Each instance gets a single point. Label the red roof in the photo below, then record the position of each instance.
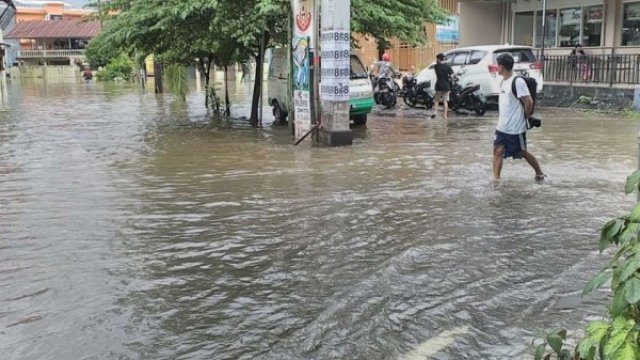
(76, 29)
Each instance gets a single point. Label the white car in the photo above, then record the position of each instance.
(478, 65)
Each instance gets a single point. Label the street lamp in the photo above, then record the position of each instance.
(544, 33)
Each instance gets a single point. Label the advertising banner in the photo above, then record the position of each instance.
(303, 41)
(449, 32)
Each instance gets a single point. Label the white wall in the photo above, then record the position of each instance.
(480, 23)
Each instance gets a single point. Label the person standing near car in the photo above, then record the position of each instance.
(443, 84)
(511, 132)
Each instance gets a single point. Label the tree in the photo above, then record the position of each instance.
(101, 52)
(223, 32)
(400, 19)
(176, 32)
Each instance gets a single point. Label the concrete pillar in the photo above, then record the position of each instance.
(612, 10)
(336, 70)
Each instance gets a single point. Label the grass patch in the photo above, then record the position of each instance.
(631, 114)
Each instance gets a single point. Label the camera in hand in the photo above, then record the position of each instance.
(534, 122)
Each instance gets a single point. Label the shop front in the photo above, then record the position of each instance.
(607, 30)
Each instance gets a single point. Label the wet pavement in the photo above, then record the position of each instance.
(137, 228)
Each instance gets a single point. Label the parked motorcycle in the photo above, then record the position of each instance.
(469, 98)
(384, 92)
(415, 93)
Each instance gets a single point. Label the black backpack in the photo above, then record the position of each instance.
(532, 84)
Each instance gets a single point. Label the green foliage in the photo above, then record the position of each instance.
(401, 19)
(223, 32)
(100, 52)
(177, 80)
(585, 100)
(615, 338)
(119, 68)
(631, 114)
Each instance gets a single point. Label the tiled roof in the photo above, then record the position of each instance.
(55, 30)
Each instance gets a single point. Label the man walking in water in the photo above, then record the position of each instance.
(511, 132)
(443, 84)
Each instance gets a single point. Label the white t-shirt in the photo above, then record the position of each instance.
(512, 119)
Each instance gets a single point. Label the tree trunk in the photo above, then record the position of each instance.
(227, 103)
(158, 71)
(257, 89)
(206, 70)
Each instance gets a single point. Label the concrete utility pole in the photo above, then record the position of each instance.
(335, 46)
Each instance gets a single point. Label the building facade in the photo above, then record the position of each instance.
(48, 38)
(48, 11)
(437, 39)
(601, 26)
(608, 31)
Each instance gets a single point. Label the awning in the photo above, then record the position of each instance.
(72, 29)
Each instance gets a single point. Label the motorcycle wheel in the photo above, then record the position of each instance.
(429, 103)
(394, 99)
(453, 105)
(386, 100)
(410, 98)
(480, 107)
(377, 97)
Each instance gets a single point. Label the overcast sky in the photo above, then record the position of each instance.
(76, 3)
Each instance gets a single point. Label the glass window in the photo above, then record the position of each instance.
(570, 20)
(523, 28)
(552, 22)
(519, 55)
(476, 57)
(357, 69)
(459, 58)
(631, 24)
(592, 30)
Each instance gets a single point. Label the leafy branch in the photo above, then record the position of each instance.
(615, 338)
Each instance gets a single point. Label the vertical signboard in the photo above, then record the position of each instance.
(303, 41)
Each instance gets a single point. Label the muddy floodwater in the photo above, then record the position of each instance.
(132, 227)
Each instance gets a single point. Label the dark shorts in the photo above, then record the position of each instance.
(514, 144)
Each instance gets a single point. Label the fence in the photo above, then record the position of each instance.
(597, 69)
(42, 54)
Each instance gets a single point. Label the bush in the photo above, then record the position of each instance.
(100, 52)
(120, 67)
(616, 337)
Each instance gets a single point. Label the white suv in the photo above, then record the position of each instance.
(478, 65)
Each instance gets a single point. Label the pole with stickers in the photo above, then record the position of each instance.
(335, 46)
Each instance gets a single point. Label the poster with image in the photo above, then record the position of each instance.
(570, 16)
(301, 45)
(632, 11)
(449, 31)
(595, 14)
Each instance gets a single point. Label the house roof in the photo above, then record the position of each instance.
(77, 29)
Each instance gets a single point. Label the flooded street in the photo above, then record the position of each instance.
(137, 228)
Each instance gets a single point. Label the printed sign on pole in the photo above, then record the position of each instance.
(336, 65)
(303, 41)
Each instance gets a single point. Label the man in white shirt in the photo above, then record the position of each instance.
(511, 132)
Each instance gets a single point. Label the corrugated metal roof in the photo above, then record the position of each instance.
(55, 29)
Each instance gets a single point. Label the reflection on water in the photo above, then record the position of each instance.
(136, 228)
